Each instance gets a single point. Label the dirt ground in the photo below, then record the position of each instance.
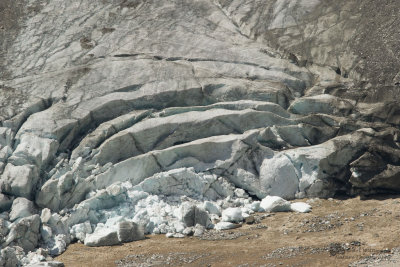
(336, 233)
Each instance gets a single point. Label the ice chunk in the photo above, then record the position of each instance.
(300, 207)
(212, 208)
(226, 226)
(79, 231)
(274, 204)
(232, 215)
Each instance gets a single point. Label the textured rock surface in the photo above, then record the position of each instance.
(107, 237)
(130, 231)
(133, 110)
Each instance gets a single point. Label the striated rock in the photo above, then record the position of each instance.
(192, 215)
(130, 231)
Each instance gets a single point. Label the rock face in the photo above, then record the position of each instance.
(166, 113)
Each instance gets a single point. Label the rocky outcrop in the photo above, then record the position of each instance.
(165, 116)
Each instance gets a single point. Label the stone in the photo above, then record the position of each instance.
(199, 230)
(58, 244)
(25, 233)
(6, 136)
(34, 150)
(21, 208)
(45, 215)
(249, 220)
(3, 229)
(102, 237)
(274, 204)
(8, 257)
(19, 180)
(189, 231)
(192, 215)
(130, 231)
(46, 233)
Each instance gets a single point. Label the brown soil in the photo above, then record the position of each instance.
(335, 233)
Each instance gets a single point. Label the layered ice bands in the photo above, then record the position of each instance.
(124, 118)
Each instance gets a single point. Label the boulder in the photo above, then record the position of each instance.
(192, 215)
(21, 208)
(189, 231)
(25, 233)
(45, 215)
(19, 180)
(130, 231)
(58, 244)
(199, 230)
(102, 237)
(6, 136)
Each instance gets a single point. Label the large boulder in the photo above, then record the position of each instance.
(130, 231)
(103, 237)
(19, 180)
(25, 233)
(21, 208)
(192, 215)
